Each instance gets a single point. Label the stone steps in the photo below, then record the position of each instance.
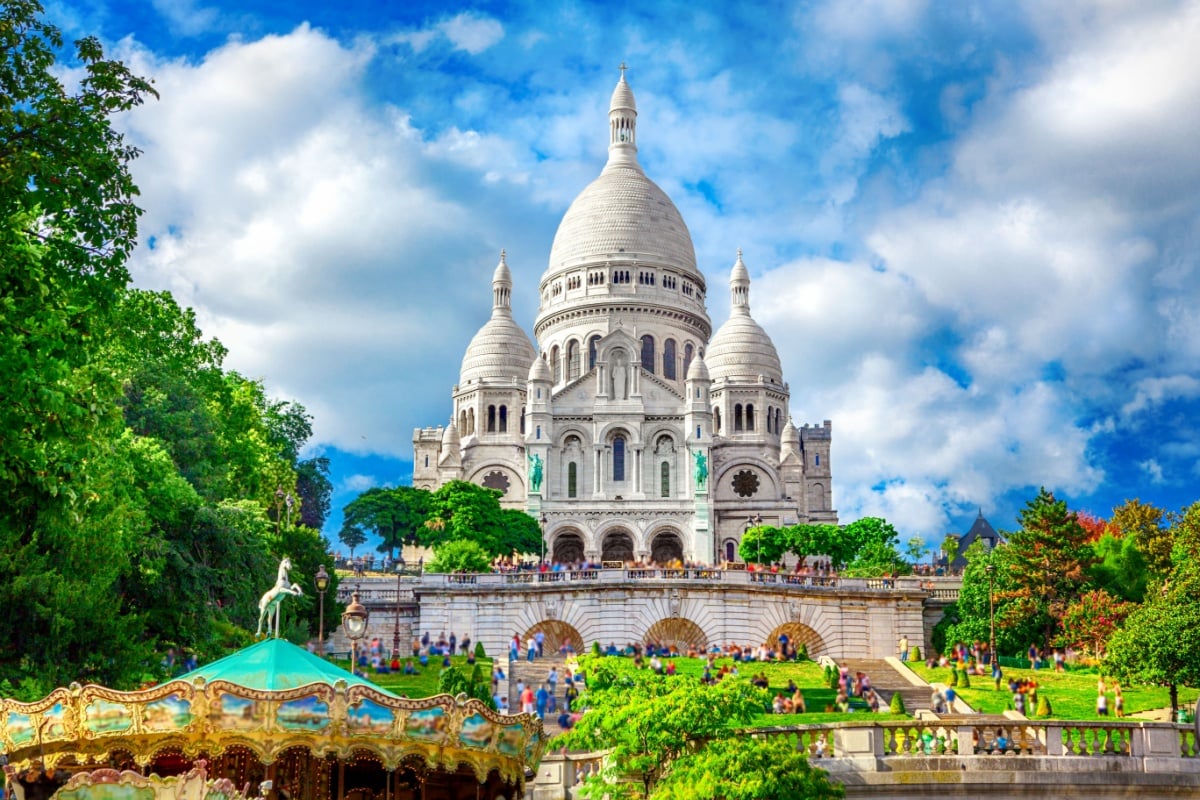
(886, 681)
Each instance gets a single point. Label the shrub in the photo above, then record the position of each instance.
(596, 647)
(479, 653)
(802, 652)
(914, 654)
(1043, 707)
(953, 678)
(896, 706)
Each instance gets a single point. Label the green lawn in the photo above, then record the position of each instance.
(1072, 694)
(424, 684)
(808, 675)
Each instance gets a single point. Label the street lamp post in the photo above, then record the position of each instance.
(354, 619)
(751, 521)
(396, 629)
(991, 573)
(322, 579)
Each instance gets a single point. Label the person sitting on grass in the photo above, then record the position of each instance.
(409, 669)
(798, 706)
(842, 701)
(423, 659)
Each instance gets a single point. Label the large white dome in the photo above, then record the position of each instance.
(623, 215)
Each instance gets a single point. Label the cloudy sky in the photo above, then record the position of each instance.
(973, 227)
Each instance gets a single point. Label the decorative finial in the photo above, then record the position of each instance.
(739, 254)
(502, 255)
(622, 68)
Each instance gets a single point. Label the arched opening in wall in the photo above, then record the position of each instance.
(618, 459)
(816, 497)
(555, 365)
(749, 416)
(769, 419)
(523, 421)
(593, 343)
(778, 423)
(648, 353)
(557, 633)
(731, 550)
(503, 419)
(717, 420)
(682, 633)
(462, 422)
(669, 359)
(567, 548)
(666, 548)
(491, 428)
(689, 353)
(617, 546)
(572, 480)
(470, 421)
(737, 418)
(573, 360)
(798, 633)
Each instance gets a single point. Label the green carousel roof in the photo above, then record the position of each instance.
(274, 665)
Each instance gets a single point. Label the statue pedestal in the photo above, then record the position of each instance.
(703, 537)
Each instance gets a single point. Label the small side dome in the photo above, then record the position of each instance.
(501, 351)
(789, 440)
(622, 97)
(540, 372)
(450, 436)
(451, 454)
(698, 371)
(502, 274)
(741, 350)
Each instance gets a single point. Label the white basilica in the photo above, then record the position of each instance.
(632, 431)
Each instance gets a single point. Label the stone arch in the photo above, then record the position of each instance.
(678, 631)
(666, 546)
(617, 544)
(816, 497)
(557, 634)
(798, 633)
(568, 546)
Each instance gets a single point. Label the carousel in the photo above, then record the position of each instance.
(271, 721)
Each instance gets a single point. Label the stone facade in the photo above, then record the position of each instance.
(632, 431)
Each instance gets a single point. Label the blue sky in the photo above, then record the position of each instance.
(973, 227)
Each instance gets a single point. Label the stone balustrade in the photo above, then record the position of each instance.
(1007, 758)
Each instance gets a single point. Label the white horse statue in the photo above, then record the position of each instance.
(268, 606)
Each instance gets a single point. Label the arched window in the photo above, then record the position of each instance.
(427, 461)
(716, 419)
(618, 456)
(666, 479)
(491, 419)
(470, 420)
(737, 418)
(730, 550)
(778, 421)
(688, 353)
(504, 419)
(572, 479)
(523, 421)
(555, 366)
(648, 354)
(462, 422)
(669, 359)
(573, 359)
(592, 343)
(768, 419)
(749, 417)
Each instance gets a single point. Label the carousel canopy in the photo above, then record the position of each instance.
(274, 665)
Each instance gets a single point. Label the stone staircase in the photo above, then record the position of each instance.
(534, 674)
(887, 681)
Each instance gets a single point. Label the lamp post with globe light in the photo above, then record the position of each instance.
(322, 580)
(354, 620)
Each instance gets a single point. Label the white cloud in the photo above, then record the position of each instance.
(358, 483)
(470, 32)
(1154, 391)
(186, 17)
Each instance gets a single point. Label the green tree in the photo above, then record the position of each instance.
(1016, 627)
(68, 222)
(950, 547)
(1159, 644)
(647, 722)
(1050, 560)
(352, 536)
(459, 555)
(1146, 525)
(518, 533)
(314, 490)
(876, 559)
(394, 515)
(1120, 569)
(745, 768)
(763, 544)
(914, 549)
(812, 540)
(463, 510)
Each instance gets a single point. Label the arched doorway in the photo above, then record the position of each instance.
(567, 548)
(798, 633)
(618, 546)
(731, 550)
(666, 548)
(682, 633)
(557, 634)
